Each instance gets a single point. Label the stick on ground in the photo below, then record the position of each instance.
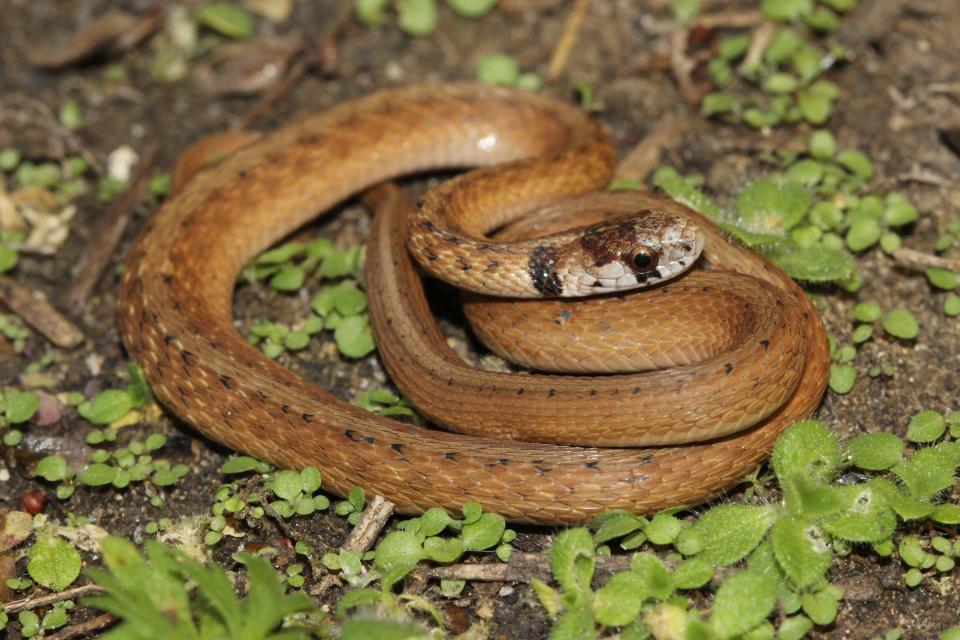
(39, 314)
(108, 232)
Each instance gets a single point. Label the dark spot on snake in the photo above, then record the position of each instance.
(450, 455)
(431, 254)
(368, 439)
(520, 391)
(311, 139)
(398, 447)
(503, 461)
(727, 368)
(466, 266)
(167, 278)
(226, 381)
(593, 392)
(186, 357)
(306, 417)
(186, 223)
(592, 465)
(543, 470)
(551, 393)
(705, 289)
(351, 435)
(284, 408)
(263, 396)
(449, 382)
(242, 174)
(167, 339)
(643, 276)
(766, 344)
(543, 270)
(176, 305)
(636, 390)
(492, 265)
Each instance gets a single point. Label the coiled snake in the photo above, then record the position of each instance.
(768, 369)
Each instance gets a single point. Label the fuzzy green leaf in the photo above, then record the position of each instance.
(732, 531)
(900, 323)
(875, 451)
(619, 601)
(743, 601)
(815, 264)
(926, 426)
(866, 518)
(484, 533)
(806, 448)
(53, 563)
(801, 550)
(572, 561)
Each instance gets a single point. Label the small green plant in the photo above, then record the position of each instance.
(11, 326)
(352, 507)
(385, 403)
(16, 407)
(796, 215)
(152, 598)
(782, 551)
(133, 463)
(340, 307)
(499, 68)
(111, 405)
(418, 17)
(783, 83)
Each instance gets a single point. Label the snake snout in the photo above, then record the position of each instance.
(630, 253)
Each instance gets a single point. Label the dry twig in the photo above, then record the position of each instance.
(681, 65)
(39, 314)
(568, 39)
(729, 20)
(108, 233)
(758, 44)
(645, 156)
(921, 260)
(82, 629)
(371, 523)
(521, 567)
(43, 601)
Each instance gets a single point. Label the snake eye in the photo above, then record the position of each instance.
(642, 260)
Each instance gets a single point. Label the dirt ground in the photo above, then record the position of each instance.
(898, 94)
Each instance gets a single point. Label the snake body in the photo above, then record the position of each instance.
(175, 319)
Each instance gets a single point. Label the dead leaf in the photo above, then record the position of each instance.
(8, 569)
(113, 33)
(244, 68)
(48, 220)
(15, 527)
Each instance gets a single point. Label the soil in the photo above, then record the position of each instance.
(899, 94)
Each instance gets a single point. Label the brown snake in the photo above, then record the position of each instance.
(175, 318)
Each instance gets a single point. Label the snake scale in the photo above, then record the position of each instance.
(175, 317)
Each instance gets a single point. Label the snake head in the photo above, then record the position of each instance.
(637, 250)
